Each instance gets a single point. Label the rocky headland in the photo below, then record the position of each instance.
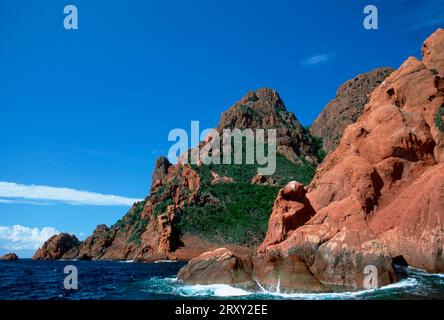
(376, 199)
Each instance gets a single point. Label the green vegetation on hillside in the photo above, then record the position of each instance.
(241, 210)
(225, 213)
(139, 224)
(240, 218)
(243, 173)
(285, 171)
(133, 221)
(161, 207)
(132, 216)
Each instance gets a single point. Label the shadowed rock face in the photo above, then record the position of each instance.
(347, 107)
(291, 210)
(378, 198)
(160, 171)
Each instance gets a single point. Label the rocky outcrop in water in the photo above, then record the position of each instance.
(9, 257)
(57, 246)
(220, 266)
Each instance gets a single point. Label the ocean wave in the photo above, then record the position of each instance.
(173, 286)
(424, 273)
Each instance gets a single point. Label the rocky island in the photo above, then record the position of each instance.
(9, 257)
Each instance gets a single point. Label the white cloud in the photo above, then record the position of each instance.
(23, 238)
(317, 59)
(39, 203)
(13, 192)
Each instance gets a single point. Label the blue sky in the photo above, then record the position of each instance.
(90, 110)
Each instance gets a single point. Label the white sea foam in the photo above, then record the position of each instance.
(217, 290)
(173, 286)
(127, 261)
(410, 282)
(229, 291)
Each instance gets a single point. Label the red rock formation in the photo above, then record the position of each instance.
(381, 191)
(432, 52)
(95, 247)
(160, 238)
(411, 226)
(160, 172)
(56, 247)
(221, 266)
(291, 211)
(148, 232)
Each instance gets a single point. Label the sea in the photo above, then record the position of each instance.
(125, 280)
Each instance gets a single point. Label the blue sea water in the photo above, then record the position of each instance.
(102, 280)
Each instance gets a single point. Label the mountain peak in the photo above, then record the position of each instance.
(262, 100)
(264, 109)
